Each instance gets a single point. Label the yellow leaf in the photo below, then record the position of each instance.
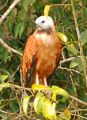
(5, 85)
(40, 104)
(62, 36)
(3, 77)
(25, 103)
(67, 114)
(46, 10)
(38, 97)
(53, 111)
(39, 87)
(59, 91)
(48, 110)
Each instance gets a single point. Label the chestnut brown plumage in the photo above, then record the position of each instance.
(42, 52)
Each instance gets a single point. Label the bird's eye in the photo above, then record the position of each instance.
(43, 21)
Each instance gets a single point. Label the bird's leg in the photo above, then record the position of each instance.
(37, 78)
(47, 91)
(45, 81)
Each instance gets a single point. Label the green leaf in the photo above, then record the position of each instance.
(5, 85)
(72, 49)
(74, 64)
(32, 2)
(39, 87)
(21, 29)
(26, 4)
(62, 36)
(48, 110)
(40, 104)
(3, 77)
(84, 37)
(59, 91)
(53, 111)
(37, 106)
(4, 74)
(25, 103)
(17, 29)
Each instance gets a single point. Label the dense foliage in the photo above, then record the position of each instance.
(70, 17)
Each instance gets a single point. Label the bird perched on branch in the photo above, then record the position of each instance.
(42, 52)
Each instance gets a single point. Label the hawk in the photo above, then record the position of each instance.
(42, 52)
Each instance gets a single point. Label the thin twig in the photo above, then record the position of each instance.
(79, 42)
(60, 5)
(9, 10)
(79, 110)
(78, 100)
(85, 118)
(15, 71)
(10, 49)
(68, 69)
(67, 60)
(30, 89)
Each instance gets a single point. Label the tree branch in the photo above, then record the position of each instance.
(6, 85)
(9, 10)
(10, 49)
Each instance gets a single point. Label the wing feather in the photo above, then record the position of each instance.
(28, 56)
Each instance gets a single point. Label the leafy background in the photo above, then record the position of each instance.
(72, 70)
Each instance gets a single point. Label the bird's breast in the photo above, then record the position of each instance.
(46, 55)
(44, 38)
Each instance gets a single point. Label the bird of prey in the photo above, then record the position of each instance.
(41, 53)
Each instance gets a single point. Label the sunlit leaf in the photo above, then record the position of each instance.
(39, 87)
(72, 49)
(3, 77)
(48, 110)
(59, 91)
(25, 103)
(40, 104)
(46, 10)
(53, 110)
(62, 36)
(66, 115)
(36, 101)
(54, 96)
(73, 64)
(5, 85)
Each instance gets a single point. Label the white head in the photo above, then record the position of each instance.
(44, 22)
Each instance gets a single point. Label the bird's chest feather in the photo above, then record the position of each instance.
(46, 45)
(46, 52)
(45, 39)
